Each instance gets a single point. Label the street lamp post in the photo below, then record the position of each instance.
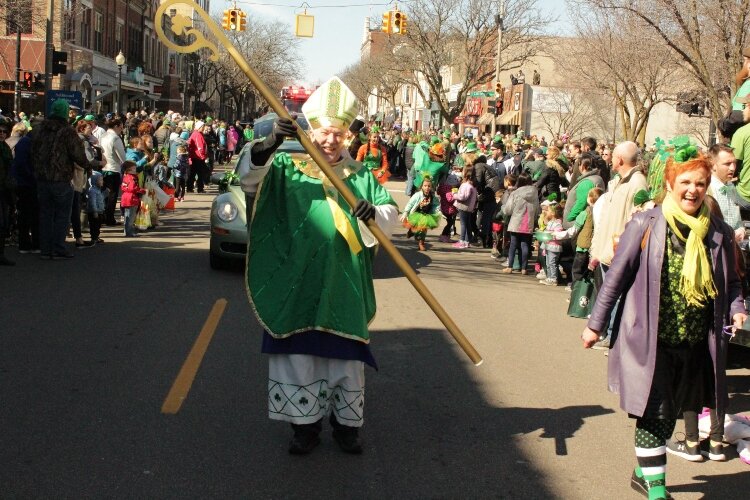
(120, 61)
(499, 20)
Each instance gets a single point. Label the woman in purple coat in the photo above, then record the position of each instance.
(674, 270)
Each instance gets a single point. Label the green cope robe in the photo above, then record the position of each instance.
(301, 273)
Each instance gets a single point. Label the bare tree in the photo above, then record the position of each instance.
(272, 51)
(570, 110)
(707, 37)
(639, 72)
(462, 35)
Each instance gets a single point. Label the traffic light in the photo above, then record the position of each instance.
(402, 29)
(234, 23)
(397, 22)
(491, 107)
(59, 59)
(225, 21)
(499, 106)
(499, 89)
(28, 79)
(387, 27)
(243, 21)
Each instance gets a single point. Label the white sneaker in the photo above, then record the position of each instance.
(541, 275)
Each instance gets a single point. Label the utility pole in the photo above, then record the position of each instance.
(499, 21)
(49, 47)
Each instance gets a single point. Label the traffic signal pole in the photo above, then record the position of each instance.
(49, 47)
(18, 62)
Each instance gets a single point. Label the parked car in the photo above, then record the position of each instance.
(229, 210)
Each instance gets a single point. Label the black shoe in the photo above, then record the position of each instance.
(346, 437)
(640, 484)
(85, 244)
(62, 255)
(305, 438)
(680, 448)
(712, 452)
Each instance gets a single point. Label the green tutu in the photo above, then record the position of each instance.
(418, 221)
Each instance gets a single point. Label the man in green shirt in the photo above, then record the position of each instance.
(741, 146)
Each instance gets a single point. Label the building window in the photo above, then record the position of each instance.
(69, 20)
(118, 36)
(85, 26)
(17, 17)
(98, 32)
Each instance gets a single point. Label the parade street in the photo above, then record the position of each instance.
(97, 399)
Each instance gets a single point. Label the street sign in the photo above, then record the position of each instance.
(28, 95)
(482, 93)
(73, 97)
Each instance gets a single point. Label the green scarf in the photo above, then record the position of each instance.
(696, 281)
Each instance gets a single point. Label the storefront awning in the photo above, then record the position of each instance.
(510, 118)
(485, 119)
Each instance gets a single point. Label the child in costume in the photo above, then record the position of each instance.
(374, 156)
(421, 212)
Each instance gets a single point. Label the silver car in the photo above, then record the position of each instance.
(229, 210)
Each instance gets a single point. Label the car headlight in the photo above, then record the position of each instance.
(226, 211)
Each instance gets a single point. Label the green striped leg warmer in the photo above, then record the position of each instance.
(651, 451)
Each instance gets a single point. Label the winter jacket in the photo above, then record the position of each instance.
(55, 149)
(617, 209)
(578, 196)
(466, 197)
(634, 278)
(22, 169)
(487, 182)
(232, 138)
(173, 145)
(6, 160)
(197, 147)
(95, 200)
(549, 182)
(522, 204)
(138, 157)
(181, 166)
(131, 192)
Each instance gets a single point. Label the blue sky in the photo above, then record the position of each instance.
(338, 30)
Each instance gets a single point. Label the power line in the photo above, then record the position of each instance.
(307, 5)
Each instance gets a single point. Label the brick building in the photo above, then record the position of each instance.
(92, 33)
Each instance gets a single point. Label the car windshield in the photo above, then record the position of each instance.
(243, 162)
(264, 124)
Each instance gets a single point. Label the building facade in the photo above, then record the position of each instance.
(92, 33)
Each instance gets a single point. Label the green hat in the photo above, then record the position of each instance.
(59, 109)
(89, 118)
(333, 104)
(641, 197)
(434, 140)
(471, 147)
(446, 133)
(209, 119)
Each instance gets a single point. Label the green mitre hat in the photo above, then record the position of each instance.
(333, 104)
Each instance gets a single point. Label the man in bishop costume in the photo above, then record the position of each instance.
(309, 271)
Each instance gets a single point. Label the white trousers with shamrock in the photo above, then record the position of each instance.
(303, 389)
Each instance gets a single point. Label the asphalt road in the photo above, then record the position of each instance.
(90, 348)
